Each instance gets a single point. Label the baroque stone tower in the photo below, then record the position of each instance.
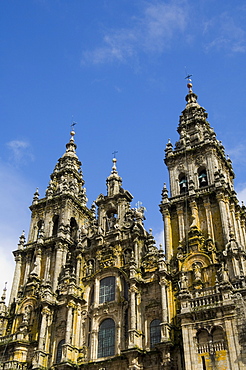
(91, 290)
(205, 241)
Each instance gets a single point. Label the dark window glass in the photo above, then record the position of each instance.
(155, 332)
(107, 289)
(59, 351)
(106, 338)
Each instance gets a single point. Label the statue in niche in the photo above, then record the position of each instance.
(183, 281)
(197, 270)
(111, 221)
(223, 273)
(27, 315)
(90, 268)
(180, 255)
(127, 255)
(212, 249)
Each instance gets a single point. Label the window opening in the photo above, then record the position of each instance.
(106, 338)
(40, 226)
(203, 179)
(107, 289)
(203, 363)
(55, 225)
(155, 332)
(73, 228)
(183, 185)
(59, 351)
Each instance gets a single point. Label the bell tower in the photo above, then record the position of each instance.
(204, 228)
(48, 272)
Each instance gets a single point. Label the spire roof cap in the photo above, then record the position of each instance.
(71, 146)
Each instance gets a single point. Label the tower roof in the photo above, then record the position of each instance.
(114, 181)
(67, 176)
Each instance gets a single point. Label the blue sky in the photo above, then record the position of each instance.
(118, 69)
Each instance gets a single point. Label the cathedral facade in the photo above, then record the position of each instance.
(91, 290)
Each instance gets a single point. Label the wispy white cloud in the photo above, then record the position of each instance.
(159, 238)
(20, 151)
(225, 32)
(241, 194)
(238, 153)
(153, 31)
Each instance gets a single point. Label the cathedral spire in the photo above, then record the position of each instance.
(67, 176)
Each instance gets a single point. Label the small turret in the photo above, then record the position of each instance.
(114, 181)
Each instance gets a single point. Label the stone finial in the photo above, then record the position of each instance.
(35, 197)
(22, 240)
(93, 209)
(169, 147)
(164, 194)
(4, 292)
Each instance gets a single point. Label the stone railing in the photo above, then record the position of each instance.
(211, 347)
(13, 365)
(209, 300)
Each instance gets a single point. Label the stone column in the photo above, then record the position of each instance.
(78, 267)
(181, 222)
(136, 252)
(118, 338)
(94, 337)
(47, 265)
(82, 335)
(207, 207)
(233, 345)
(96, 292)
(16, 279)
(69, 323)
(190, 353)
(223, 215)
(234, 223)
(133, 307)
(77, 326)
(164, 309)
(242, 222)
(27, 268)
(239, 228)
(43, 328)
(133, 316)
(58, 265)
(167, 234)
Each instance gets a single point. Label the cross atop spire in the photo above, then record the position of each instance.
(189, 84)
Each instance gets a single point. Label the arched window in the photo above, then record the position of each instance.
(183, 184)
(40, 228)
(55, 225)
(218, 335)
(107, 289)
(106, 338)
(59, 351)
(203, 178)
(203, 337)
(155, 332)
(73, 228)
